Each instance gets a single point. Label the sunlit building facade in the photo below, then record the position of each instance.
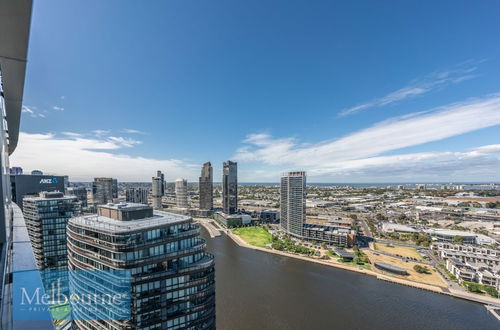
(173, 277)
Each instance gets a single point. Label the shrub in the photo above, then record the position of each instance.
(421, 269)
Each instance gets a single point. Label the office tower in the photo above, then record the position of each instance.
(206, 187)
(23, 185)
(293, 202)
(103, 190)
(137, 195)
(158, 189)
(230, 187)
(80, 193)
(46, 217)
(173, 284)
(16, 171)
(181, 194)
(36, 172)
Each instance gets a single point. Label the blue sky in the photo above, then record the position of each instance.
(358, 91)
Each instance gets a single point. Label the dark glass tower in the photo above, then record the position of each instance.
(230, 187)
(206, 187)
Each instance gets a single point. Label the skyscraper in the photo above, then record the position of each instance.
(293, 202)
(181, 194)
(173, 278)
(104, 190)
(230, 187)
(46, 217)
(206, 187)
(137, 195)
(158, 189)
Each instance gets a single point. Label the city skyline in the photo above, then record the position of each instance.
(342, 109)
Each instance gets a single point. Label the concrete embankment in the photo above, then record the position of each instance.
(209, 226)
(495, 303)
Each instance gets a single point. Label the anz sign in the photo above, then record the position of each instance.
(48, 181)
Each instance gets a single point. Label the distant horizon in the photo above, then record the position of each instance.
(333, 183)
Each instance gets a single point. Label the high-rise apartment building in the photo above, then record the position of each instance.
(293, 202)
(46, 217)
(137, 195)
(80, 193)
(158, 189)
(206, 187)
(172, 277)
(230, 187)
(181, 193)
(104, 190)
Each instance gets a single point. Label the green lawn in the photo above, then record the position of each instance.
(256, 236)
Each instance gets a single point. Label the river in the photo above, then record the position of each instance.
(258, 290)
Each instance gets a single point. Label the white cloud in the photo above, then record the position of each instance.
(132, 131)
(55, 107)
(84, 158)
(364, 149)
(32, 112)
(72, 134)
(101, 132)
(424, 85)
(125, 142)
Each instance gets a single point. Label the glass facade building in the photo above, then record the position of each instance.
(46, 218)
(206, 187)
(104, 190)
(173, 277)
(230, 187)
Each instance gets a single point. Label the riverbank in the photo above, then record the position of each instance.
(462, 295)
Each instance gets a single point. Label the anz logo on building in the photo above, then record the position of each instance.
(45, 181)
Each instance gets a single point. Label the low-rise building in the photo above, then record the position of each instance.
(233, 220)
(328, 234)
(269, 216)
(474, 272)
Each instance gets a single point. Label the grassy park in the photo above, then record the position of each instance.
(403, 251)
(256, 236)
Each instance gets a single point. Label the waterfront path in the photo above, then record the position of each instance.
(208, 224)
(446, 291)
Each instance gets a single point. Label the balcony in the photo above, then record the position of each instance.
(19, 258)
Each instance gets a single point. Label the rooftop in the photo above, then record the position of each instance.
(125, 206)
(102, 223)
(44, 195)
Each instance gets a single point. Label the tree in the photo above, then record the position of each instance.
(421, 269)
(473, 287)
(491, 291)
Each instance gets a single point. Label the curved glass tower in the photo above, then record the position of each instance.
(172, 277)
